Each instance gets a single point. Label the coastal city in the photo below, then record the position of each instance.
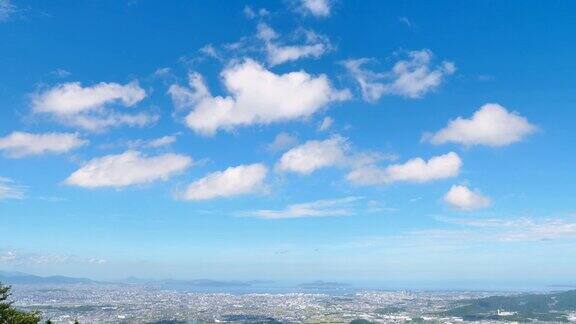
(287, 161)
(139, 304)
(151, 303)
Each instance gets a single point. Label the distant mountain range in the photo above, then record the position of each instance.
(16, 278)
(190, 283)
(319, 284)
(20, 278)
(25, 278)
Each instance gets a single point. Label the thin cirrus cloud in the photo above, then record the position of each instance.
(415, 170)
(153, 143)
(258, 96)
(161, 141)
(514, 229)
(127, 169)
(89, 107)
(21, 144)
(319, 208)
(411, 78)
(491, 125)
(461, 197)
(313, 155)
(475, 230)
(316, 8)
(276, 53)
(18, 257)
(325, 124)
(233, 181)
(282, 141)
(251, 13)
(7, 10)
(10, 190)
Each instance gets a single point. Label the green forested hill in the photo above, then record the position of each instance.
(544, 307)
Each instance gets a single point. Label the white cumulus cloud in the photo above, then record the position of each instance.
(463, 198)
(90, 107)
(414, 170)
(491, 125)
(72, 98)
(258, 96)
(126, 169)
(411, 78)
(239, 180)
(313, 155)
(20, 144)
(335, 151)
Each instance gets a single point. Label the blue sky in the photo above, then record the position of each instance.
(370, 140)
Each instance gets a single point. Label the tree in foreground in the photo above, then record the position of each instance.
(10, 315)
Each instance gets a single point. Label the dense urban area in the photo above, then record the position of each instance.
(142, 303)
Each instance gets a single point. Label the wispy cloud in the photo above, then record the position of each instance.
(252, 13)
(61, 73)
(319, 208)
(10, 190)
(519, 229)
(325, 124)
(405, 21)
(316, 8)
(153, 143)
(20, 258)
(411, 78)
(473, 233)
(282, 141)
(277, 53)
(7, 10)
